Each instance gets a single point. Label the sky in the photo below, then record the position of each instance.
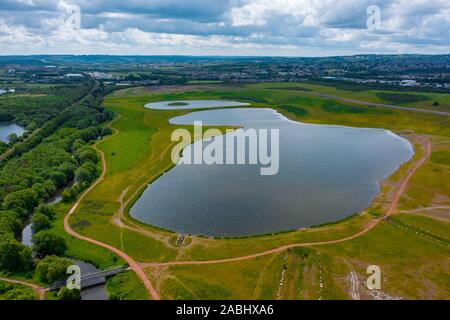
(225, 27)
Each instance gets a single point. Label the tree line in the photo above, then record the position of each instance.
(62, 154)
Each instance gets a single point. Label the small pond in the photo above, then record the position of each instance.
(9, 128)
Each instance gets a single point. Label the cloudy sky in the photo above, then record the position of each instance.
(224, 27)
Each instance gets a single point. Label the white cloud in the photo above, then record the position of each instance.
(293, 27)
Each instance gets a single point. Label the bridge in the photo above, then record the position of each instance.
(91, 279)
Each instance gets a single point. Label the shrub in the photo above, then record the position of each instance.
(46, 210)
(52, 269)
(67, 294)
(40, 222)
(48, 243)
(14, 256)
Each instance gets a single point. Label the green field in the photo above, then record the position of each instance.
(414, 265)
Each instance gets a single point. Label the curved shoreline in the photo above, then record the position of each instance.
(281, 117)
(370, 226)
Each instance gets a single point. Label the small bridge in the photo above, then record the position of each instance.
(91, 279)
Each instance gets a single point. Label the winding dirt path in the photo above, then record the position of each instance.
(370, 226)
(133, 264)
(37, 289)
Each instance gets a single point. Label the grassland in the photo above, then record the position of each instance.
(414, 265)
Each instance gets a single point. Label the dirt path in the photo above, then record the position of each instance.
(354, 283)
(133, 264)
(37, 289)
(369, 227)
(426, 209)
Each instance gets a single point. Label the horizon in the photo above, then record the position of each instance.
(219, 56)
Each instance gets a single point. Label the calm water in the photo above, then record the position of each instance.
(93, 293)
(8, 128)
(27, 235)
(326, 174)
(194, 104)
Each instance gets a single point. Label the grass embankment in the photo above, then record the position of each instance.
(140, 152)
(423, 100)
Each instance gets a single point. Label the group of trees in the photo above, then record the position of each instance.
(9, 291)
(57, 154)
(40, 104)
(15, 256)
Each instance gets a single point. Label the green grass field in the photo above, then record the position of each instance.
(413, 266)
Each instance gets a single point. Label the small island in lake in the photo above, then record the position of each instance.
(177, 104)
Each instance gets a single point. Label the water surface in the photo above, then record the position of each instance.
(93, 293)
(9, 128)
(326, 174)
(27, 235)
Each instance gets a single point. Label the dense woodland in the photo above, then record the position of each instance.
(57, 156)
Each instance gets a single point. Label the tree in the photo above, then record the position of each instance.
(86, 154)
(10, 225)
(32, 126)
(68, 168)
(78, 143)
(52, 269)
(86, 173)
(14, 293)
(69, 194)
(106, 131)
(5, 116)
(82, 175)
(48, 243)
(46, 210)
(58, 177)
(13, 138)
(40, 222)
(22, 201)
(41, 191)
(69, 294)
(14, 256)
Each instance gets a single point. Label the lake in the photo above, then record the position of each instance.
(326, 174)
(8, 128)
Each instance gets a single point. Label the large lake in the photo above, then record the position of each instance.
(8, 128)
(326, 173)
